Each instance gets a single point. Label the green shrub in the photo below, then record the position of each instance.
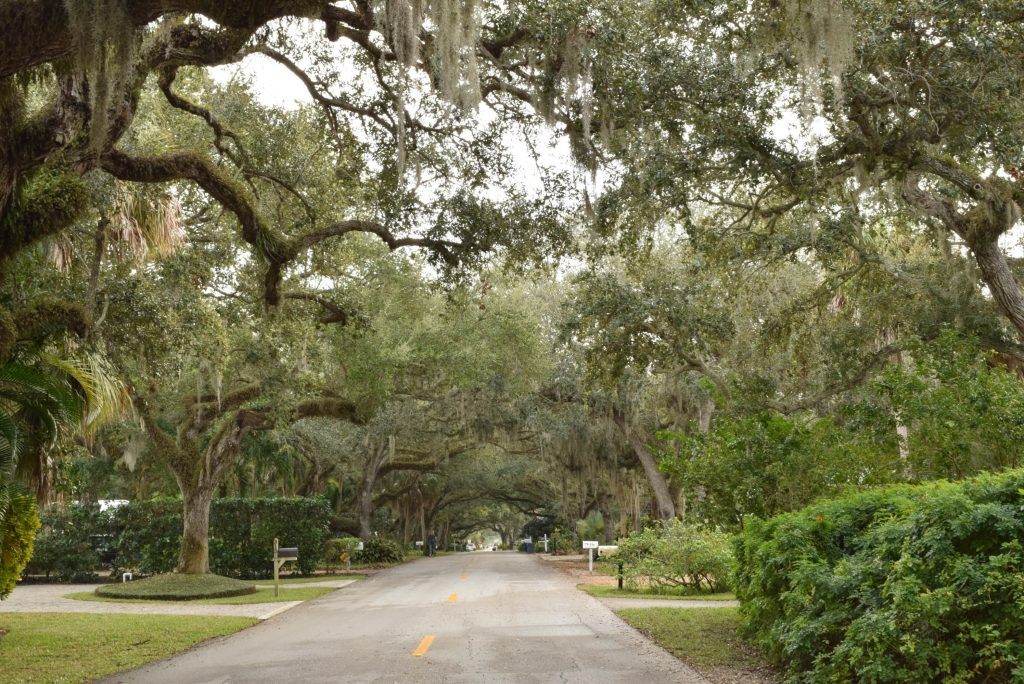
(66, 548)
(242, 534)
(380, 551)
(902, 584)
(18, 525)
(334, 548)
(676, 556)
(148, 536)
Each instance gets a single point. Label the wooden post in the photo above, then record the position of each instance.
(276, 567)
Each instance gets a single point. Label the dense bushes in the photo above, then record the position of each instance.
(380, 551)
(145, 537)
(903, 584)
(677, 556)
(18, 526)
(68, 544)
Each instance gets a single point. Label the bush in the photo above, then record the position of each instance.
(66, 548)
(676, 556)
(380, 551)
(564, 542)
(242, 534)
(145, 537)
(902, 584)
(18, 526)
(148, 536)
(334, 548)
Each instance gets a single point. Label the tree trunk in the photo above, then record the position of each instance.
(662, 493)
(1004, 287)
(195, 541)
(364, 502)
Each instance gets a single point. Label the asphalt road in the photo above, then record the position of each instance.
(479, 617)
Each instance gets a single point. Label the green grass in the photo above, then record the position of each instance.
(612, 592)
(175, 587)
(262, 595)
(67, 648)
(702, 637)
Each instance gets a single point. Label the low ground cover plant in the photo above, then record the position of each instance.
(908, 583)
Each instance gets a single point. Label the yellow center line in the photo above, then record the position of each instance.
(424, 646)
(464, 576)
(452, 598)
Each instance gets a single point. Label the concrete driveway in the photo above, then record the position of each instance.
(480, 617)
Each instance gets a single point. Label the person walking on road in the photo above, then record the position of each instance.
(431, 544)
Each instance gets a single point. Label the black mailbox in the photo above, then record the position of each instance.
(286, 552)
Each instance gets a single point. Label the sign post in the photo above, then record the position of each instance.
(545, 540)
(590, 546)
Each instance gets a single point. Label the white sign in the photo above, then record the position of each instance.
(359, 546)
(590, 544)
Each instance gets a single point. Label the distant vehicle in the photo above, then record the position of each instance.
(470, 546)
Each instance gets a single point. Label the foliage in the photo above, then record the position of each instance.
(379, 550)
(145, 536)
(591, 527)
(336, 548)
(963, 413)
(18, 524)
(765, 464)
(83, 647)
(67, 547)
(677, 555)
(242, 533)
(901, 584)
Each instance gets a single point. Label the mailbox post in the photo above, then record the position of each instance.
(590, 546)
(281, 556)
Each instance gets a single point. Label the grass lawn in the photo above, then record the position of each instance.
(262, 595)
(80, 647)
(704, 638)
(612, 592)
(173, 586)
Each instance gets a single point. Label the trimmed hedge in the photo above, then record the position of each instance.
(68, 543)
(145, 537)
(903, 584)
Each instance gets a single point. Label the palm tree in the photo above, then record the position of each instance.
(43, 398)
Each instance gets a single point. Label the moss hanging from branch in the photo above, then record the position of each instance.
(104, 40)
(822, 33)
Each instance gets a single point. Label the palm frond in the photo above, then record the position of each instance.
(106, 396)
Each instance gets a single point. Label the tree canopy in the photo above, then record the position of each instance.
(508, 266)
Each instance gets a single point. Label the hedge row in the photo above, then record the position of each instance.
(903, 584)
(145, 537)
